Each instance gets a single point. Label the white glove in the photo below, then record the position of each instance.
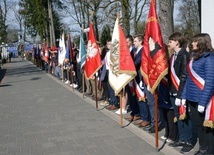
(201, 108)
(178, 102)
(183, 102)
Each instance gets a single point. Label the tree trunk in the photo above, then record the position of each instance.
(126, 16)
(166, 18)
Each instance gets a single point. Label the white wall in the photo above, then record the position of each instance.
(207, 19)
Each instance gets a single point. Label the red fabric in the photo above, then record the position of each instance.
(92, 64)
(54, 48)
(153, 68)
(126, 61)
(45, 52)
(175, 83)
(71, 49)
(212, 109)
(182, 109)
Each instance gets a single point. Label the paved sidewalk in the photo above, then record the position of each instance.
(39, 115)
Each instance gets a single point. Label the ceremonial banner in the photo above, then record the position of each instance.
(122, 69)
(154, 64)
(62, 50)
(45, 52)
(69, 52)
(82, 50)
(93, 60)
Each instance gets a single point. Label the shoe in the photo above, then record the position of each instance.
(176, 144)
(186, 148)
(74, 85)
(138, 122)
(136, 118)
(129, 117)
(108, 106)
(163, 137)
(88, 94)
(113, 107)
(151, 129)
(123, 112)
(67, 82)
(104, 103)
(144, 124)
(94, 98)
(169, 141)
(201, 152)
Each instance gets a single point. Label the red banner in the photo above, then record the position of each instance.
(154, 64)
(93, 60)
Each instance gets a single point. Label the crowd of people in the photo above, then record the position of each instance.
(185, 94)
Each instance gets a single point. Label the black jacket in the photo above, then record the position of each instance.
(180, 66)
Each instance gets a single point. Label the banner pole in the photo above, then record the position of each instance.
(83, 84)
(121, 116)
(96, 92)
(156, 119)
(72, 78)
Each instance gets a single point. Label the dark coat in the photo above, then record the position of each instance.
(180, 70)
(137, 62)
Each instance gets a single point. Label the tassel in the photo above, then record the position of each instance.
(209, 124)
(182, 112)
(209, 114)
(175, 119)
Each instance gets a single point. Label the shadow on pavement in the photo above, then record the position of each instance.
(35, 78)
(2, 74)
(5, 85)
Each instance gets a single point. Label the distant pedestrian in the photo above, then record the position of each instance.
(10, 56)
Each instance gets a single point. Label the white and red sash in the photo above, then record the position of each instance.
(139, 92)
(175, 79)
(195, 77)
(209, 113)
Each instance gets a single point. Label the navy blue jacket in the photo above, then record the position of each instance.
(204, 67)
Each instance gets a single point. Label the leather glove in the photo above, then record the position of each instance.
(201, 108)
(178, 102)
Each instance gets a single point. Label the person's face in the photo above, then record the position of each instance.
(194, 45)
(129, 42)
(172, 44)
(108, 45)
(137, 42)
(66, 61)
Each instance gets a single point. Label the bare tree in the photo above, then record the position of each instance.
(166, 9)
(138, 12)
(189, 18)
(4, 7)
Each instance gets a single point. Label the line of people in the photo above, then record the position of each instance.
(184, 95)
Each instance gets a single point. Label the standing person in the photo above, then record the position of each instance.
(10, 56)
(171, 128)
(131, 96)
(199, 89)
(78, 70)
(113, 100)
(127, 93)
(178, 66)
(104, 77)
(143, 106)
